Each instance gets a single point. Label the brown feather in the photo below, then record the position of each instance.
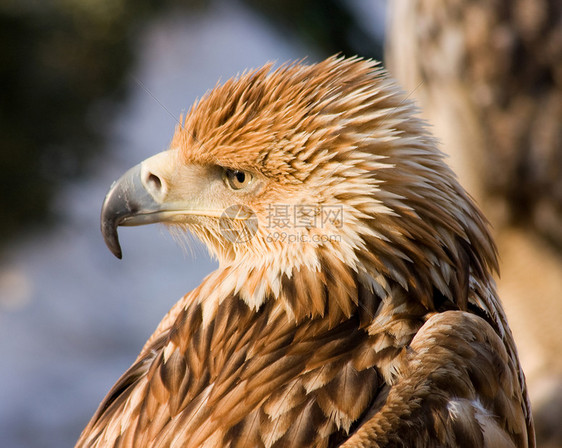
(369, 339)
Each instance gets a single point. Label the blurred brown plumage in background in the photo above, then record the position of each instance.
(488, 77)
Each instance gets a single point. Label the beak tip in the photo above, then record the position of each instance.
(126, 203)
(111, 238)
(116, 250)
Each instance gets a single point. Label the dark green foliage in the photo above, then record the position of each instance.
(55, 61)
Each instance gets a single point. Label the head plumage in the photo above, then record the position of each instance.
(340, 132)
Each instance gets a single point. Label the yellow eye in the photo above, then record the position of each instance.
(237, 179)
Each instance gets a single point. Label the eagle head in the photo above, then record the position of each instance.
(320, 168)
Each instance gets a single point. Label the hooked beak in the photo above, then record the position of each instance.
(127, 203)
(146, 194)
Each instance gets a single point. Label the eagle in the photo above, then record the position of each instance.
(354, 303)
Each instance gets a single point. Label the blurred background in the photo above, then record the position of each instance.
(91, 87)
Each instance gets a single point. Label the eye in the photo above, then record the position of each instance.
(237, 179)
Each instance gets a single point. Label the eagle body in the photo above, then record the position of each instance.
(356, 305)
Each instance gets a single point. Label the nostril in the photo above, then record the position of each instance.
(154, 182)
